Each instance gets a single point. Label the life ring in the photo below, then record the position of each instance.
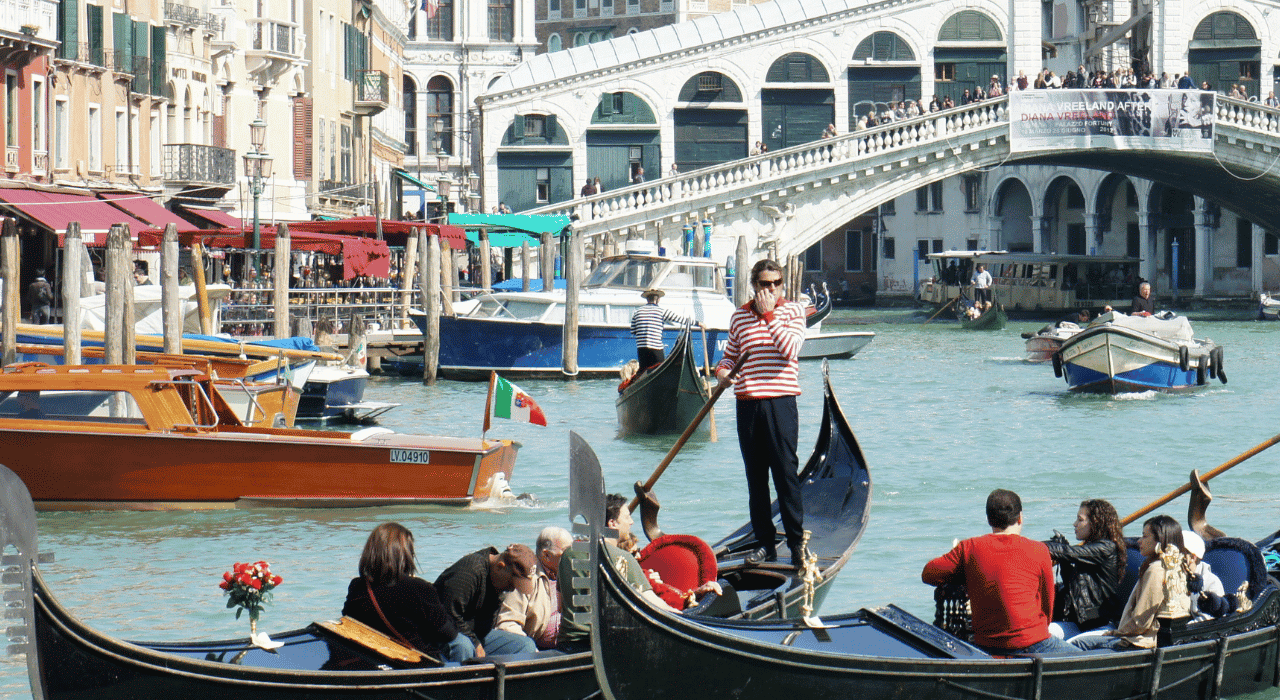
(1184, 358)
(1057, 364)
(1202, 370)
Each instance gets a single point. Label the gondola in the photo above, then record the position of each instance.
(821, 306)
(68, 659)
(993, 319)
(887, 652)
(664, 399)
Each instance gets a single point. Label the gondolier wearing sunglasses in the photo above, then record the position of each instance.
(772, 330)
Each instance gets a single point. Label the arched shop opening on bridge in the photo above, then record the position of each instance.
(710, 121)
(797, 102)
(622, 139)
(535, 163)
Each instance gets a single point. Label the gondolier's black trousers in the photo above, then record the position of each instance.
(768, 430)
(649, 357)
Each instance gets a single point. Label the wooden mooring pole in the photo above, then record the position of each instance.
(280, 277)
(12, 304)
(73, 259)
(429, 259)
(170, 300)
(572, 280)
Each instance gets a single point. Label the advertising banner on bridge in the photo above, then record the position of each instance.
(1172, 120)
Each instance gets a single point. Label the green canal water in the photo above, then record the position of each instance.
(943, 416)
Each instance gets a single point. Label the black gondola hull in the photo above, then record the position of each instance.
(666, 398)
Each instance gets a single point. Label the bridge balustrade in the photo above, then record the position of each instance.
(722, 182)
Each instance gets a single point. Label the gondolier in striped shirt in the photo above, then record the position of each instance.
(772, 330)
(646, 325)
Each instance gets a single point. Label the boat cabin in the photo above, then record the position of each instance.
(1043, 282)
(612, 292)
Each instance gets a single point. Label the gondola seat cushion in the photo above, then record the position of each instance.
(1235, 561)
(682, 563)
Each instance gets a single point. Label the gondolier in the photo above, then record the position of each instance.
(772, 330)
(646, 327)
(982, 285)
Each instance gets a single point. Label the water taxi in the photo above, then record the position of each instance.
(1034, 282)
(156, 437)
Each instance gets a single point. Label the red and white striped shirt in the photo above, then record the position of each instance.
(774, 339)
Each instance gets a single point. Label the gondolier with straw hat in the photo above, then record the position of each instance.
(646, 326)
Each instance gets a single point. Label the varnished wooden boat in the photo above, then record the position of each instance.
(887, 653)
(166, 438)
(666, 398)
(69, 660)
(993, 319)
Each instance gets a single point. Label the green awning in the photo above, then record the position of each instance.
(535, 224)
(413, 180)
(504, 239)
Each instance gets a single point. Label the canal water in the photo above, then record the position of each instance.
(943, 415)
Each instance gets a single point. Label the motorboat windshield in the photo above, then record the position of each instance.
(643, 272)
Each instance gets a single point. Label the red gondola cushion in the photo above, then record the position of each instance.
(684, 562)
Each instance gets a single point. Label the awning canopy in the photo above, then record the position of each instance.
(144, 208)
(536, 224)
(360, 256)
(56, 211)
(396, 233)
(216, 217)
(413, 180)
(505, 239)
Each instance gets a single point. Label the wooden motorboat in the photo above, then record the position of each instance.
(1119, 353)
(993, 319)
(666, 398)
(1042, 344)
(886, 653)
(68, 659)
(1268, 306)
(166, 438)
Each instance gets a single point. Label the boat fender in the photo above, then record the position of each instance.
(1217, 358)
(1202, 370)
(1057, 364)
(1184, 358)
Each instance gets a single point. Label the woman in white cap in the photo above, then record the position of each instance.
(1208, 597)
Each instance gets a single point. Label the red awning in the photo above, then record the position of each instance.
(57, 211)
(145, 208)
(396, 232)
(217, 217)
(360, 256)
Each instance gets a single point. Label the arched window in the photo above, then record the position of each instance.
(797, 68)
(969, 25)
(884, 46)
(710, 86)
(553, 43)
(440, 114)
(580, 39)
(410, 89)
(1225, 26)
(186, 117)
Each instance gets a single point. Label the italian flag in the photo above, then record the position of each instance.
(511, 402)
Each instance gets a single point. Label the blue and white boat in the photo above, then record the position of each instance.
(520, 333)
(1118, 353)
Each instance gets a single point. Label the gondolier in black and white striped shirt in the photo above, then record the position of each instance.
(646, 327)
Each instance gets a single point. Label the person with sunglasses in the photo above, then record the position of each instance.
(771, 329)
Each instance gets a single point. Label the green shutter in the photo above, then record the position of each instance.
(93, 17)
(159, 66)
(551, 129)
(69, 29)
(517, 130)
(141, 69)
(122, 42)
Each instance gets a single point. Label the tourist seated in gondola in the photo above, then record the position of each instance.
(1160, 603)
(471, 589)
(388, 597)
(1091, 572)
(1010, 582)
(533, 620)
(1209, 600)
(575, 611)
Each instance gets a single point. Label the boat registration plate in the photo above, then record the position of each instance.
(411, 457)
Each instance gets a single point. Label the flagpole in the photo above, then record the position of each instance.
(488, 403)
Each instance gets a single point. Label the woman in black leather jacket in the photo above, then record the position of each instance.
(1091, 572)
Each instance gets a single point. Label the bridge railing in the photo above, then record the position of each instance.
(1248, 115)
(722, 181)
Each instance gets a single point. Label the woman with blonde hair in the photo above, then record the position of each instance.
(388, 597)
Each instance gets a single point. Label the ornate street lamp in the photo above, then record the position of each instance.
(257, 167)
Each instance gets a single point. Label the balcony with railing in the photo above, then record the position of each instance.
(275, 38)
(30, 20)
(197, 164)
(373, 92)
(192, 17)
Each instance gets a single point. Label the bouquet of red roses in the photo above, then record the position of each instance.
(248, 587)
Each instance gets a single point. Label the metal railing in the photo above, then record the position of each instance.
(192, 16)
(250, 312)
(373, 86)
(199, 164)
(275, 37)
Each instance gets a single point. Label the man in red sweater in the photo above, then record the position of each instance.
(1010, 582)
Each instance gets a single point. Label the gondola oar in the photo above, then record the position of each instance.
(693, 425)
(944, 308)
(1187, 486)
(706, 367)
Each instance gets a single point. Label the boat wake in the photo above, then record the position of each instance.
(1137, 396)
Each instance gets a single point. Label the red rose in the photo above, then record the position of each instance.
(226, 576)
(275, 580)
(262, 564)
(225, 585)
(257, 585)
(244, 579)
(239, 568)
